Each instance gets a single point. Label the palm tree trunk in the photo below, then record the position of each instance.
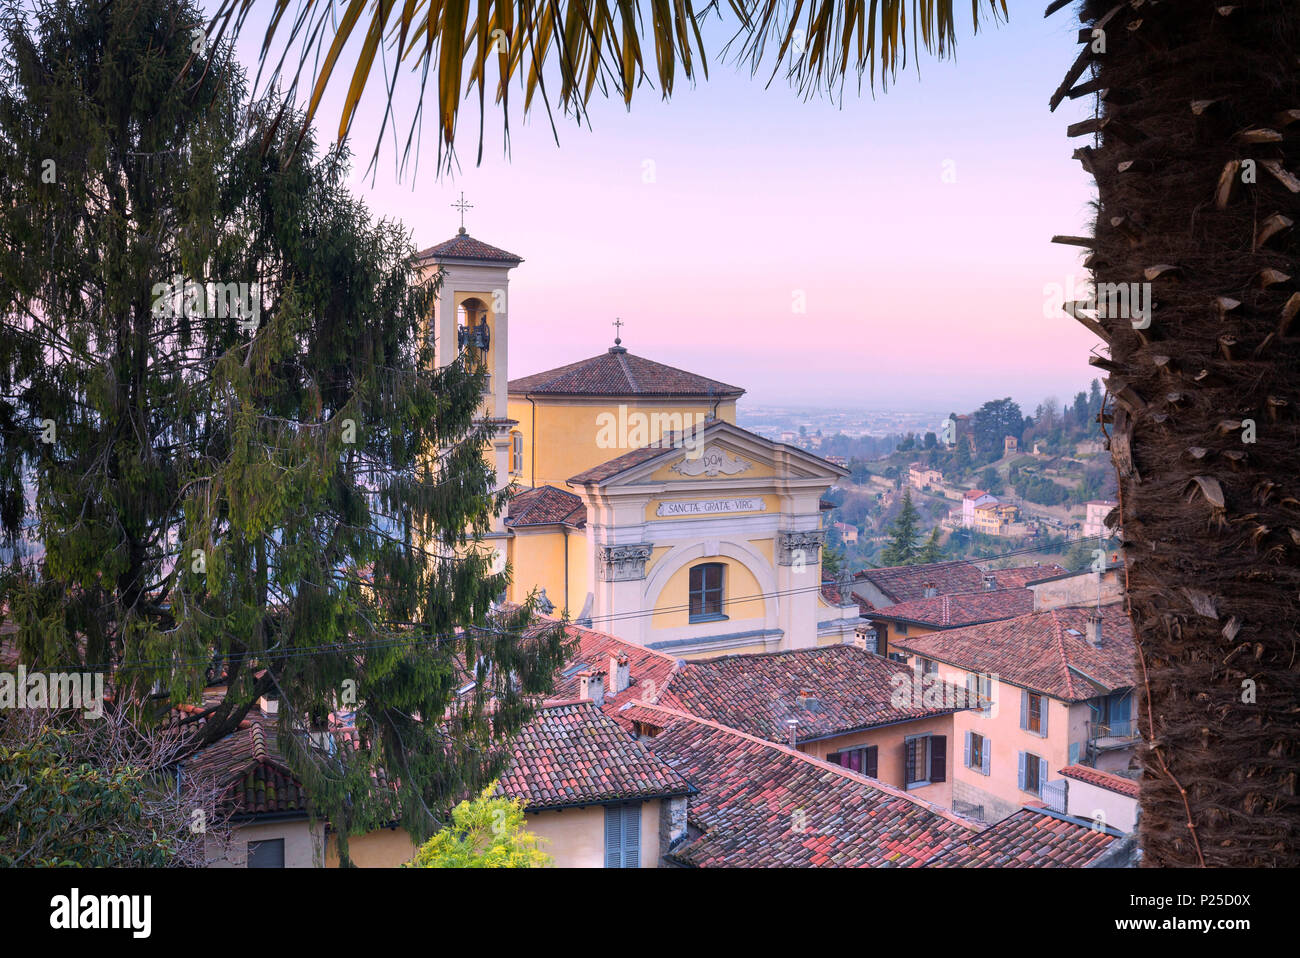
(1196, 155)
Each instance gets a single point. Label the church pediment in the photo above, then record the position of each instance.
(723, 453)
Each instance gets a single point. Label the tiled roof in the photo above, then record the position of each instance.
(847, 688)
(648, 671)
(974, 493)
(545, 505)
(618, 373)
(1018, 577)
(904, 582)
(464, 246)
(1107, 780)
(255, 775)
(763, 805)
(950, 611)
(1038, 651)
(576, 755)
(1030, 838)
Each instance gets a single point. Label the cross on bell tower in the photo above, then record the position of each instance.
(618, 328)
(462, 206)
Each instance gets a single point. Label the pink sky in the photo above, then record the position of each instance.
(920, 293)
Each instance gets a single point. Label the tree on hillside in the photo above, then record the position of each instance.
(216, 377)
(902, 549)
(932, 551)
(992, 423)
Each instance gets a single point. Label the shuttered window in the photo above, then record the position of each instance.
(857, 759)
(1032, 773)
(268, 853)
(1033, 712)
(977, 752)
(623, 836)
(925, 759)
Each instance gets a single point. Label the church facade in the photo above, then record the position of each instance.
(641, 508)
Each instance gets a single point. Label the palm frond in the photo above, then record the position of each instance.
(586, 46)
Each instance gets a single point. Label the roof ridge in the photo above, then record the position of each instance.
(1059, 633)
(627, 370)
(821, 765)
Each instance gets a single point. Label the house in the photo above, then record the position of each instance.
(920, 476)
(893, 584)
(1059, 687)
(265, 804)
(1102, 587)
(848, 533)
(760, 804)
(597, 796)
(995, 518)
(1031, 837)
(1109, 798)
(1094, 523)
(1010, 446)
(840, 703)
(971, 499)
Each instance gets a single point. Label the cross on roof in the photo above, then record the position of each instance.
(462, 206)
(618, 328)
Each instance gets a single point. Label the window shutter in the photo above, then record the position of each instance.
(909, 761)
(1074, 753)
(632, 836)
(1024, 709)
(1042, 777)
(985, 748)
(871, 769)
(1043, 705)
(966, 760)
(938, 758)
(1020, 780)
(613, 836)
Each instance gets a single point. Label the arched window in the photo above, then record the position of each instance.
(706, 592)
(472, 332)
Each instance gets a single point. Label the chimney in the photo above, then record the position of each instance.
(793, 725)
(931, 590)
(591, 688)
(990, 583)
(1093, 629)
(619, 675)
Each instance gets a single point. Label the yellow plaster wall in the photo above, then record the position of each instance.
(737, 581)
(568, 433)
(382, 848)
(575, 837)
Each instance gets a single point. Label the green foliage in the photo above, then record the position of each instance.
(992, 423)
(832, 560)
(932, 551)
(487, 832)
(902, 548)
(62, 804)
(298, 495)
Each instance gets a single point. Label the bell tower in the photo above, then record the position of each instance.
(472, 317)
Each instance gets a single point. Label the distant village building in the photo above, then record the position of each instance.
(1010, 445)
(970, 501)
(1088, 447)
(848, 533)
(1094, 523)
(995, 518)
(919, 476)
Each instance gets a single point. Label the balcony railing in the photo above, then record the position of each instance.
(1114, 734)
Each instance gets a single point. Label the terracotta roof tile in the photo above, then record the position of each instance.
(545, 505)
(1030, 838)
(849, 689)
(649, 671)
(951, 611)
(905, 582)
(1107, 780)
(464, 246)
(1044, 651)
(617, 372)
(763, 805)
(574, 754)
(248, 763)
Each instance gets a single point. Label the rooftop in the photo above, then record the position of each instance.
(617, 372)
(544, 506)
(1043, 651)
(574, 754)
(462, 246)
(831, 691)
(1030, 838)
(1107, 780)
(759, 804)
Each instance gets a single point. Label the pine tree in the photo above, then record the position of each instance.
(214, 375)
(932, 551)
(902, 549)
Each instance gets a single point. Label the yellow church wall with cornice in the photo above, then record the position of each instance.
(537, 562)
(739, 582)
(577, 438)
(766, 548)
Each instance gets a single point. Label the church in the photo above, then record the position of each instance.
(641, 509)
